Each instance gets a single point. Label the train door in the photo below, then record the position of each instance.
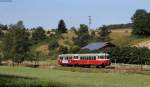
(65, 59)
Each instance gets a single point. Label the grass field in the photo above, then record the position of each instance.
(57, 78)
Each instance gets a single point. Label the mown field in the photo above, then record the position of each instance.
(25, 77)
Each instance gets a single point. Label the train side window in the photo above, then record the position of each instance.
(94, 57)
(75, 57)
(88, 58)
(99, 57)
(107, 57)
(91, 58)
(102, 57)
(70, 57)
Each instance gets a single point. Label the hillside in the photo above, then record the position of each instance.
(120, 37)
(144, 44)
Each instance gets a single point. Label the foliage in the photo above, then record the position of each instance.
(93, 37)
(74, 49)
(3, 27)
(74, 29)
(118, 26)
(130, 55)
(38, 34)
(62, 27)
(104, 34)
(63, 50)
(1, 58)
(16, 43)
(1, 34)
(141, 22)
(53, 44)
(83, 36)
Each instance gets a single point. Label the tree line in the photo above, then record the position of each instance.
(119, 26)
(141, 23)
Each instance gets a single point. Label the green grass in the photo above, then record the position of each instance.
(77, 79)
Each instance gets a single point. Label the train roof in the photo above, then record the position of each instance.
(98, 54)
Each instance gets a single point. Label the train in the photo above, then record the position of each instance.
(98, 59)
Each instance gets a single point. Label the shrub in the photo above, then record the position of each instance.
(130, 55)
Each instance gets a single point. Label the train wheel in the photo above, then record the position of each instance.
(103, 66)
(88, 66)
(97, 66)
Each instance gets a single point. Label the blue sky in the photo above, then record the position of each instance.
(47, 13)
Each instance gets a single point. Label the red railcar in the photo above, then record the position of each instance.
(101, 59)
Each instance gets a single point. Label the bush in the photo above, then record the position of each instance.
(74, 49)
(63, 50)
(130, 55)
(53, 44)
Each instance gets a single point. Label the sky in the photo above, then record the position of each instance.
(47, 13)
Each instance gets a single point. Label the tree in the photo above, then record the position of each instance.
(130, 55)
(83, 36)
(93, 36)
(53, 44)
(74, 49)
(63, 50)
(3, 27)
(1, 34)
(16, 43)
(141, 22)
(62, 27)
(74, 30)
(83, 29)
(38, 34)
(1, 58)
(104, 34)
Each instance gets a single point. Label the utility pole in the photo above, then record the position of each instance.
(90, 22)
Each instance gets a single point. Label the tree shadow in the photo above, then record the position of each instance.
(15, 77)
(13, 81)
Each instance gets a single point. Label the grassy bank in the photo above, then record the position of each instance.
(71, 79)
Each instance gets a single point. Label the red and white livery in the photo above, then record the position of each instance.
(101, 59)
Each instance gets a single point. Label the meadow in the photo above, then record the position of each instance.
(37, 77)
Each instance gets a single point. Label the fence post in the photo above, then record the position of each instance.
(115, 64)
(141, 64)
